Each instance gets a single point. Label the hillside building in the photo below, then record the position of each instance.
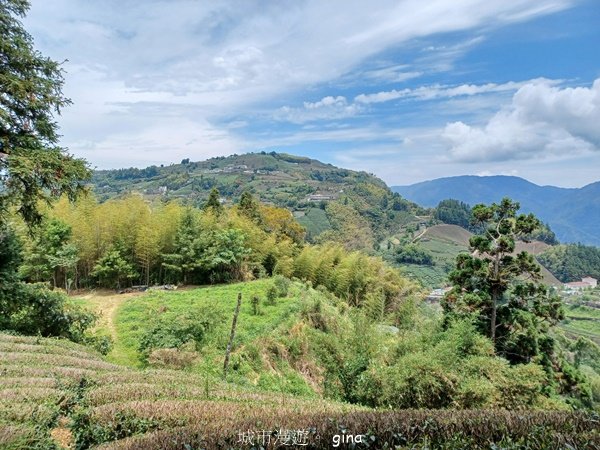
(576, 287)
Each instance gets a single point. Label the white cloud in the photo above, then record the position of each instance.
(542, 120)
(437, 91)
(390, 73)
(328, 108)
(210, 59)
(338, 107)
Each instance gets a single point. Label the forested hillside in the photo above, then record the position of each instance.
(354, 208)
(572, 262)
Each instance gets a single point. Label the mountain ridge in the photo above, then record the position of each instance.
(572, 213)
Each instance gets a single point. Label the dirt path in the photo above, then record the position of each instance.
(106, 305)
(420, 235)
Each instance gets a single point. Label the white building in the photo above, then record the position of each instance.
(591, 281)
(578, 286)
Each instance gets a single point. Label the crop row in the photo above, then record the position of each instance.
(400, 429)
(28, 412)
(52, 360)
(8, 382)
(118, 392)
(51, 349)
(22, 436)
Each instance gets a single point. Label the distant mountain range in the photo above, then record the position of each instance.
(573, 214)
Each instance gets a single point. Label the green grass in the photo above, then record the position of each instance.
(582, 321)
(428, 276)
(137, 315)
(444, 254)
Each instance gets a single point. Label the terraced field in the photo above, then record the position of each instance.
(55, 394)
(583, 321)
(444, 242)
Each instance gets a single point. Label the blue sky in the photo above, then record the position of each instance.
(406, 91)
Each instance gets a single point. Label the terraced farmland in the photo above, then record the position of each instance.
(55, 394)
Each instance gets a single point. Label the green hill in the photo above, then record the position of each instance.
(322, 196)
(442, 243)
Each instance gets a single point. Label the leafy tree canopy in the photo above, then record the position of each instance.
(33, 166)
(572, 262)
(482, 279)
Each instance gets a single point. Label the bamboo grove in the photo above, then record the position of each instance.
(131, 241)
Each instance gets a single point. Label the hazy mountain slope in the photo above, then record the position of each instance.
(573, 214)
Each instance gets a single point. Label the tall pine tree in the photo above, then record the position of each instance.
(33, 166)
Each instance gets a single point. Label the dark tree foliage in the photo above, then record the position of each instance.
(544, 234)
(214, 202)
(250, 207)
(501, 288)
(33, 166)
(32, 308)
(10, 259)
(52, 256)
(454, 212)
(412, 254)
(184, 261)
(114, 270)
(571, 262)
(134, 173)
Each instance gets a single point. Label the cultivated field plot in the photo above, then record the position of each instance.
(582, 320)
(55, 394)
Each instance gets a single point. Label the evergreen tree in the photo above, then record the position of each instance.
(453, 212)
(500, 288)
(32, 308)
(225, 255)
(10, 259)
(52, 255)
(32, 165)
(113, 270)
(185, 259)
(214, 202)
(249, 207)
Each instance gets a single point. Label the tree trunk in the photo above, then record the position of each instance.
(232, 336)
(493, 317)
(495, 297)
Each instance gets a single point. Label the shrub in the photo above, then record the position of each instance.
(455, 368)
(282, 285)
(103, 344)
(172, 330)
(255, 301)
(272, 295)
(40, 311)
(412, 254)
(172, 358)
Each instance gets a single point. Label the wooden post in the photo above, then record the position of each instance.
(230, 344)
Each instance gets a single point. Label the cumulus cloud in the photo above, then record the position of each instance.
(542, 120)
(223, 58)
